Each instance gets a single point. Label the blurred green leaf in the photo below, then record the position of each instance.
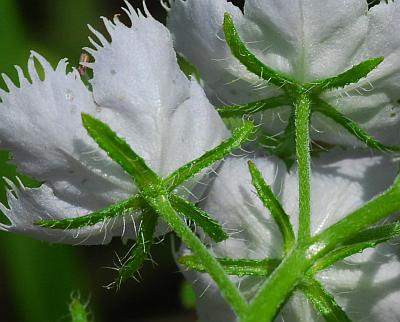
(188, 296)
(78, 310)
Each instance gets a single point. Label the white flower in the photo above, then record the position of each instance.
(366, 285)
(308, 40)
(139, 90)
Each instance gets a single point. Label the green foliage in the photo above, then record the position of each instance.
(324, 302)
(141, 249)
(156, 198)
(210, 226)
(118, 150)
(194, 167)
(122, 208)
(236, 267)
(254, 107)
(303, 258)
(306, 255)
(187, 68)
(248, 59)
(351, 126)
(78, 310)
(351, 76)
(187, 296)
(271, 202)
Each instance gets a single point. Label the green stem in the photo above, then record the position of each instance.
(293, 268)
(302, 122)
(228, 289)
(278, 286)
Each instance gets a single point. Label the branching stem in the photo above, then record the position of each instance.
(228, 289)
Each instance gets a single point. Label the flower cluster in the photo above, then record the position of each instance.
(141, 150)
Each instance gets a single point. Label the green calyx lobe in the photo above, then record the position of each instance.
(283, 145)
(156, 196)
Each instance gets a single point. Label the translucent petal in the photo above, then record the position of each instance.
(143, 94)
(314, 42)
(198, 35)
(194, 128)
(41, 125)
(25, 206)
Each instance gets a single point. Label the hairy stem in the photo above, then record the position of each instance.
(278, 287)
(293, 268)
(302, 122)
(230, 292)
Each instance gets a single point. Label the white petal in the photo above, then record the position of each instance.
(373, 113)
(233, 202)
(25, 206)
(316, 38)
(341, 182)
(194, 128)
(367, 284)
(382, 41)
(146, 98)
(41, 125)
(374, 101)
(137, 83)
(198, 35)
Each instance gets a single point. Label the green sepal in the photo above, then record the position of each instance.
(118, 150)
(338, 255)
(351, 76)
(141, 249)
(210, 226)
(377, 235)
(323, 301)
(378, 208)
(190, 169)
(236, 267)
(254, 107)
(248, 59)
(233, 122)
(187, 68)
(283, 145)
(351, 126)
(271, 202)
(368, 238)
(78, 310)
(122, 208)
